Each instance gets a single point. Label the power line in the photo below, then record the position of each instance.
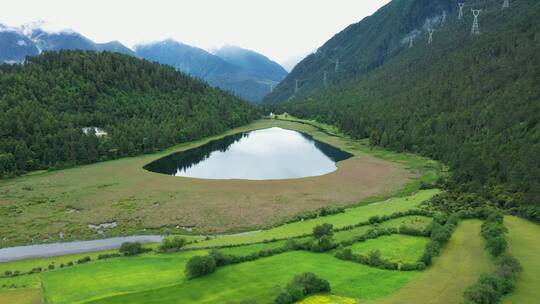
(475, 27)
(461, 5)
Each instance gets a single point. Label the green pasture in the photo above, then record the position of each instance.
(524, 244)
(396, 248)
(260, 281)
(351, 216)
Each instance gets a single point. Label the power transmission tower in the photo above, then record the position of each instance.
(461, 5)
(430, 32)
(443, 21)
(411, 42)
(271, 88)
(475, 28)
(325, 79)
(296, 87)
(337, 65)
(506, 4)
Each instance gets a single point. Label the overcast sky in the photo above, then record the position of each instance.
(280, 29)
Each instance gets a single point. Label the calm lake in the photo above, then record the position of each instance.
(267, 154)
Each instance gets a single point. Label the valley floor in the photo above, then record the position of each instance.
(39, 206)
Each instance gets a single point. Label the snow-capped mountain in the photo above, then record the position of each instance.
(14, 45)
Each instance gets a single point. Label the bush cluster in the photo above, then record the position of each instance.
(494, 231)
(373, 259)
(133, 248)
(108, 256)
(370, 234)
(441, 230)
(199, 266)
(314, 214)
(406, 230)
(303, 285)
(173, 244)
(86, 259)
(491, 287)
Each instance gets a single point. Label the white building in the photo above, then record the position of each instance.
(97, 131)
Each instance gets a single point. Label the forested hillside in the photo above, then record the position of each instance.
(470, 101)
(363, 46)
(142, 106)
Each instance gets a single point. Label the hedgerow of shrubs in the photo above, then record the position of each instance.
(133, 248)
(322, 244)
(491, 287)
(173, 244)
(441, 230)
(199, 266)
(303, 285)
(494, 231)
(373, 259)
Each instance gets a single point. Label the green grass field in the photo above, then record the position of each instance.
(120, 275)
(351, 216)
(258, 280)
(419, 222)
(396, 248)
(150, 271)
(524, 244)
(461, 263)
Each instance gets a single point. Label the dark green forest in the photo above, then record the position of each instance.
(362, 47)
(472, 102)
(144, 107)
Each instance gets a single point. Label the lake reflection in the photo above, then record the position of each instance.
(273, 153)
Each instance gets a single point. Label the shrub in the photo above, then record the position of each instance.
(284, 297)
(51, 267)
(481, 294)
(172, 244)
(86, 259)
(311, 283)
(108, 256)
(324, 244)
(296, 291)
(303, 285)
(374, 258)
(131, 248)
(199, 266)
(323, 230)
(432, 250)
(221, 258)
(496, 245)
(374, 219)
(411, 231)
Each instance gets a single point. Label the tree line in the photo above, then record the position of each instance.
(144, 107)
(471, 102)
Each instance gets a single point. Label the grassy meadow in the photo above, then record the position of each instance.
(141, 202)
(396, 248)
(461, 263)
(258, 281)
(524, 244)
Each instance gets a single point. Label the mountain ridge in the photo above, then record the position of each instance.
(464, 99)
(363, 46)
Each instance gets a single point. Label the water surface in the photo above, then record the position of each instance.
(267, 154)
